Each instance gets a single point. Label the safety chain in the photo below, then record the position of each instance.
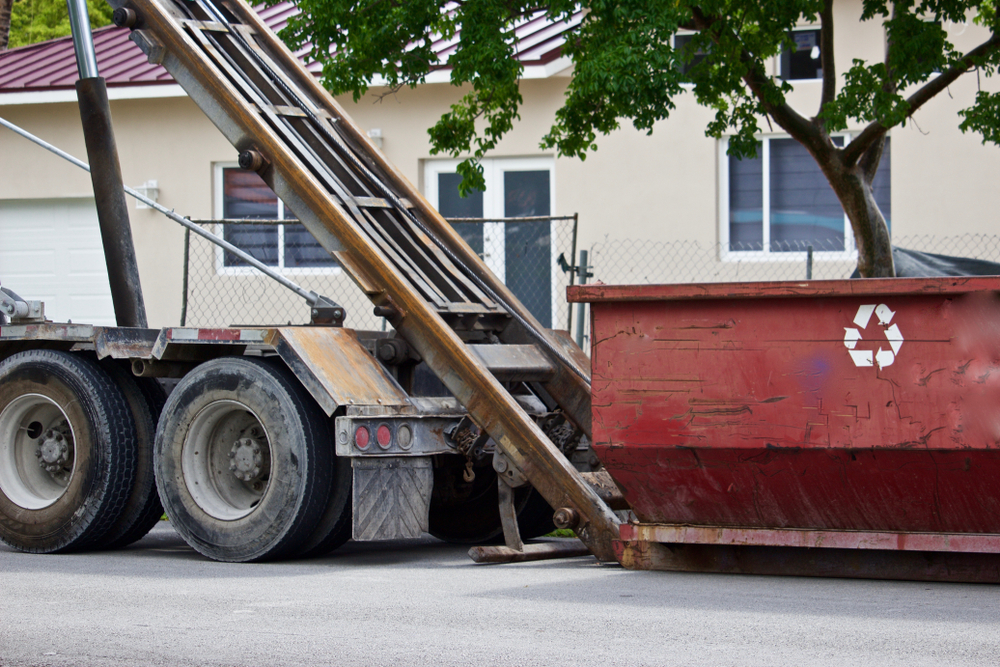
(464, 440)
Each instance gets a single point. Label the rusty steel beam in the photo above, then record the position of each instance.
(488, 402)
(530, 552)
(567, 386)
(814, 539)
(811, 562)
(603, 484)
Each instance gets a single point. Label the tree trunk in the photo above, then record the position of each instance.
(853, 187)
(870, 231)
(6, 6)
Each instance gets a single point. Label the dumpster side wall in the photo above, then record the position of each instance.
(837, 412)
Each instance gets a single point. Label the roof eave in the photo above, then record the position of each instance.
(61, 95)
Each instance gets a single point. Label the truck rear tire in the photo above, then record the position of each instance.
(335, 527)
(145, 398)
(242, 464)
(67, 452)
(469, 513)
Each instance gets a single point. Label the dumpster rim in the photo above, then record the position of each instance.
(864, 287)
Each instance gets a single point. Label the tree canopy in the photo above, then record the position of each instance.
(627, 68)
(33, 21)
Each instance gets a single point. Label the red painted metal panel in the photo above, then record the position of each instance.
(599, 292)
(754, 411)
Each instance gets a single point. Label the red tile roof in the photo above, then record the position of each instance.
(52, 65)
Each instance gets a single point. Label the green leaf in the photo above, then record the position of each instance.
(983, 117)
(626, 69)
(34, 21)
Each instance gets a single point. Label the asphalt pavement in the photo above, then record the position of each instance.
(425, 603)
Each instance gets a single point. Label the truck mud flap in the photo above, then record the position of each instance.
(392, 497)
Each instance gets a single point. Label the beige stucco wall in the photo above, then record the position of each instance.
(657, 188)
(163, 139)
(664, 186)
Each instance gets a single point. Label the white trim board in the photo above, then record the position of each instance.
(114, 93)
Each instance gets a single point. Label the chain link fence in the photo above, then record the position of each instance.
(532, 255)
(639, 262)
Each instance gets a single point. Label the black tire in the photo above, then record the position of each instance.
(145, 398)
(334, 528)
(469, 513)
(55, 498)
(243, 460)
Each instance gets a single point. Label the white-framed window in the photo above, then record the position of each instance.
(290, 248)
(780, 203)
(522, 255)
(803, 63)
(681, 40)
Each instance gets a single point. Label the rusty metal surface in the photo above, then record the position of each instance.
(797, 561)
(336, 368)
(409, 435)
(529, 552)
(190, 344)
(595, 293)
(49, 331)
(125, 343)
(16, 338)
(515, 363)
(836, 412)
(827, 539)
(409, 284)
(604, 485)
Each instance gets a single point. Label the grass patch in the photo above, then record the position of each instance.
(561, 532)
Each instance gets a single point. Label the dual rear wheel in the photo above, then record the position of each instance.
(70, 455)
(242, 459)
(243, 463)
(245, 466)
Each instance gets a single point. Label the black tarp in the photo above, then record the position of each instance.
(915, 264)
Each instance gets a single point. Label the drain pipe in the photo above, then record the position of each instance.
(106, 175)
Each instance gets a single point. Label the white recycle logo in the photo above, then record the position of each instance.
(893, 336)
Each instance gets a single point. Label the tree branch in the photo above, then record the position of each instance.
(783, 114)
(875, 129)
(798, 126)
(826, 54)
(872, 158)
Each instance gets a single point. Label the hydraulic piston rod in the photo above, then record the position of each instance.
(106, 175)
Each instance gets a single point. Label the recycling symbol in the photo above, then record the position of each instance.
(868, 357)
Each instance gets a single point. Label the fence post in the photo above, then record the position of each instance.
(572, 274)
(809, 262)
(581, 268)
(184, 279)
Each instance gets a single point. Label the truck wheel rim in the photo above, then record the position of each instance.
(37, 451)
(226, 460)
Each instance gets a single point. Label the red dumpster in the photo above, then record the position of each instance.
(840, 420)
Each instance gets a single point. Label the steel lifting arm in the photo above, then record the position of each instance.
(404, 256)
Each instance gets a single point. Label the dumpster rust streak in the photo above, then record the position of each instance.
(922, 382)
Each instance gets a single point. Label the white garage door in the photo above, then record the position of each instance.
(51, 251)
